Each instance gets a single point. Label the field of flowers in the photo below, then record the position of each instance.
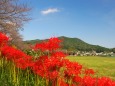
(49, 68)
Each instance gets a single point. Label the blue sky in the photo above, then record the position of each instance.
(93, 21)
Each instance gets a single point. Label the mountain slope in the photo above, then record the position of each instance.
(73, 44)
(78, 44)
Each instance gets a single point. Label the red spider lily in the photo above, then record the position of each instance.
(53, 75)
(47, 68)
(61, 82)
(58, 54)
(40, 46)
(89, 81)
(77, 79)
(104, 81)
(72, 69)
(3, 39)
(51, 44)
(89, 72)
(17, 56)
(11, 53)
(39, 67)
(24, 63)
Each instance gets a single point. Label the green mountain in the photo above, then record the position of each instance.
(78, 44)
(74, 44)
(32, 41)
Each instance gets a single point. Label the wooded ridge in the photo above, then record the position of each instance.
(76, 44)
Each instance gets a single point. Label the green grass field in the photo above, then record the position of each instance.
(105, 66)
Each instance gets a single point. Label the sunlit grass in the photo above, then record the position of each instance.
(104, 66)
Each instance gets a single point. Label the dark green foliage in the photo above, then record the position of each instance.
(113, 50)
(75, 44)
(32, 41)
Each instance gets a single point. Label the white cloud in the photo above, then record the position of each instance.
(50, 10)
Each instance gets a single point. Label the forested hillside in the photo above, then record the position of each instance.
(74, 44)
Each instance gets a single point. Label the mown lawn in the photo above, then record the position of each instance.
(104, 66)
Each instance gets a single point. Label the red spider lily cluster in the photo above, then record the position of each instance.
(3, 39)
(52, 64)
(51, 44)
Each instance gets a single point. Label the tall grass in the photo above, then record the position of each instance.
(10, 75)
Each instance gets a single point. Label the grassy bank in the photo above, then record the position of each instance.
(105, 66)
